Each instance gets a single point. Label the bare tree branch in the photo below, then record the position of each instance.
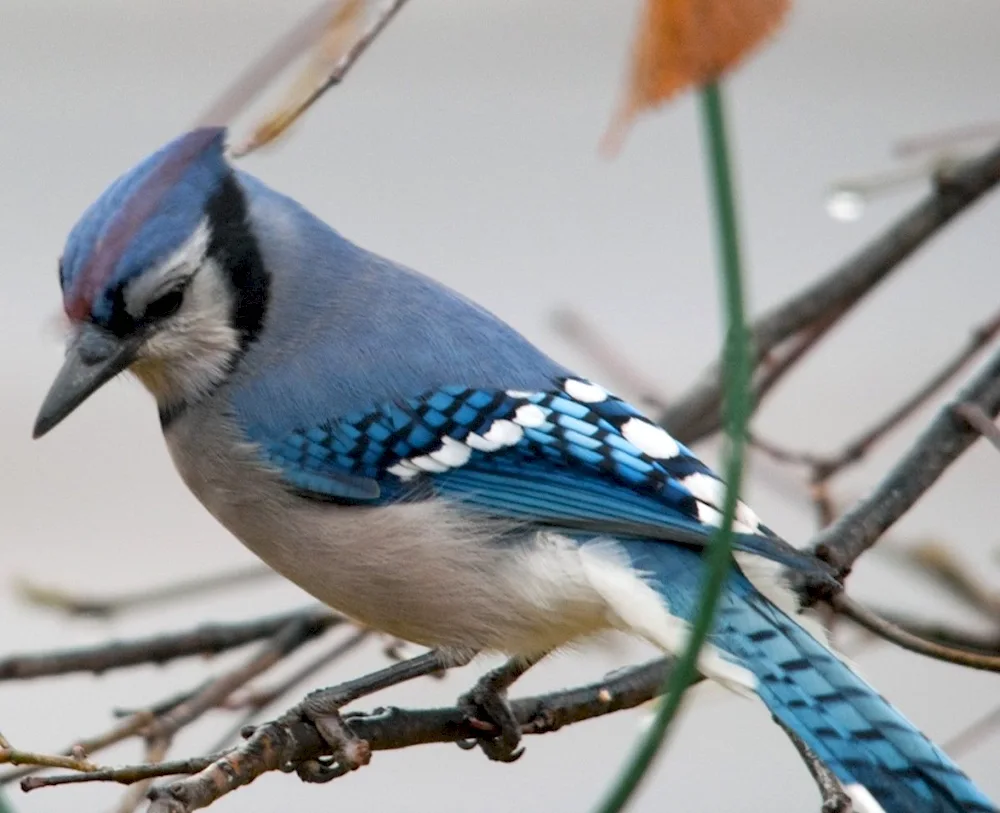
(101, 607)
(275, 747)
(974, 415)
(697, 414)
(210, 639)
(908, 640)
(842, 542)
(256, 701)
(825, 466)
(835, 799)
(125, 729)
(985, 643)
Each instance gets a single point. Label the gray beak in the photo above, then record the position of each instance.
(94, 357)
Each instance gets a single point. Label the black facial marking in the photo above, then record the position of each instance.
(166, 305)
(234, 247)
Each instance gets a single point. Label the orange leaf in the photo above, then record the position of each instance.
(680, 43)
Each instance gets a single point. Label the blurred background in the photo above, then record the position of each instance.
(465, 145)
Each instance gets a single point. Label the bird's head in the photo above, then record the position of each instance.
(161, 276)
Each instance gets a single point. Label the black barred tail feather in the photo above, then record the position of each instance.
(882, 760)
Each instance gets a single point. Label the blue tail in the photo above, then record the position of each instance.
(849, 726)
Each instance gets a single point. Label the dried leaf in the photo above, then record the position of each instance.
(680, 43)
(339, 34)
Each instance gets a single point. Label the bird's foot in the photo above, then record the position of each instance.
(348, 752)
(487, 710)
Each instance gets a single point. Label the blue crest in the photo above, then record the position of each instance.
(140, 219)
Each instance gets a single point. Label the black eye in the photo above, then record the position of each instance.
(166, 305)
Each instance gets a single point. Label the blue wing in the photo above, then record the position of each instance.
(575, 457)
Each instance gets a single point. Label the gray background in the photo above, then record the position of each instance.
(465, 145)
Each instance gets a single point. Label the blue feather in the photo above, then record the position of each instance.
(570, 467)
(849, 726)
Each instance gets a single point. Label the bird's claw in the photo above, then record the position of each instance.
(486, 709)
(348, 752)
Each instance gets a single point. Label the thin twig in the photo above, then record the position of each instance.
(775, 365)
(621, 374)
(238, 96)
(156, 752)
(268, 131)
(973, 734)
(824, 467)
(73, 604)
(209, 639)
(856, 449)
(835, 799)
(129, 727)
(159, 731)
(881, 627)
(293, 635)
(842, 542)
(939, 563)
(697, 414)
(987, 643)
(945, 140)
(973, 415)
(256, 701)
(273, 747)
(9, 755)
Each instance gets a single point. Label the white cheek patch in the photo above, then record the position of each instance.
(650, 439)
(584, 391)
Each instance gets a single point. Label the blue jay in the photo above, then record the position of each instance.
(407, 458)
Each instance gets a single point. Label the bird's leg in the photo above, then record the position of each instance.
(487, 709)
(322, 709)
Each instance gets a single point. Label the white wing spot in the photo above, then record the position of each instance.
(481, 444)
(746, 516)
(710, 490)
(585, 392)
(650, 439)
(706, 488)
(520, 393)
(452, 453)
(709, 516)
(529, 415)
(404, 470)
(504, 433)
(427, 463)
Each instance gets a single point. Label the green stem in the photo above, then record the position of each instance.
(736, 412)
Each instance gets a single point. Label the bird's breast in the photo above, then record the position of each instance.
(421, 571)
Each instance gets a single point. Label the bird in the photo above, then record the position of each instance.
(415, 463)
